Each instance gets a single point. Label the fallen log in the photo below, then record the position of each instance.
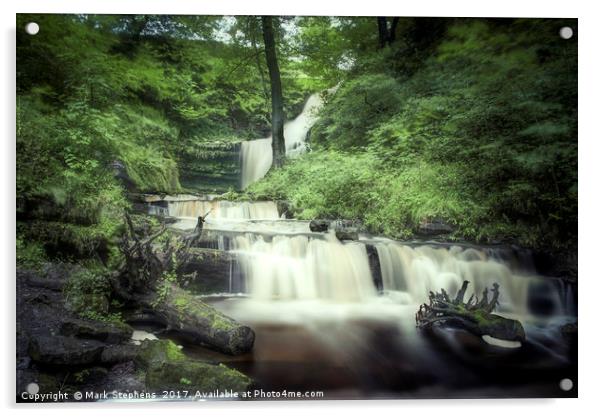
(148, 281)
(198, 322)
(474, 316)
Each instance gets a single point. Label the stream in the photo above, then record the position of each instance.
(339, 317)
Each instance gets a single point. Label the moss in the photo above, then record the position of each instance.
(194, 375)
(156, 352)
(87, 294)
(187, 305)
(168, 368)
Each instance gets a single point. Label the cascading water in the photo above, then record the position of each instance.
(416, 271)
(280, 259)
(256, 155)
(323, 308)
(220, 209)
(301, 267)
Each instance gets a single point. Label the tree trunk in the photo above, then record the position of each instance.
(180, 311)
(386, 35)
(392, 33)
(474, 316)
(278, 147)
(382, 31)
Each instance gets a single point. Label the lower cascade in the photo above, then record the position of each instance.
(278, 259)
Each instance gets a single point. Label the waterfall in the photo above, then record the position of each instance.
(279, 259)
(256, 159)
(302, 267)
(224, 209)
(320, 267)
(256, 155)
(416, 271)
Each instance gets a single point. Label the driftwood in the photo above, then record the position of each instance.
(147, 279)
(475, 315)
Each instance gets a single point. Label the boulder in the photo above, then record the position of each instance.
(119, 354)
(285, 209)
(207, 271)
(61, 350)
(347, 233)
(195, 376)
(102, 331)
(375, 270)
(156, 352)
(167, 368)
(318, 225)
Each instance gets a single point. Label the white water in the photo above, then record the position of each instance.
(256, 155)
(285, 275)
(282, 260)
(219, 209)
(304, 268)
(416, 271)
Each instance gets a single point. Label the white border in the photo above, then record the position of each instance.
(589, 204)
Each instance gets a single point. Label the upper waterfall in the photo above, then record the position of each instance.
(256, 155)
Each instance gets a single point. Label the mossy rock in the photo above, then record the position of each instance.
(196, 376)
(113, 332)
(156, 352)
(167, 368)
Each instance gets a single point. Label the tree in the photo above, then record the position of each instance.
(278, 147)
(386, 35)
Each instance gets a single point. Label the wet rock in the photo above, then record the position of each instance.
(124, 377)
(374, 263)
(52, 276)
(207, 271)
(318, 225)
(89, 376)
(60, 350)
(155, 352)
(195, 376)
(167, 368)
(347, 233)
(104, 332)
(285, 209)
(119, 354)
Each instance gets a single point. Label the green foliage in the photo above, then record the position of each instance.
(481, 133)
(87, 294)
(472, 121)
(30, 255)
(358, 106)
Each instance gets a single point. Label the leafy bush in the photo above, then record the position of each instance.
(87, 293)
(357, 107)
